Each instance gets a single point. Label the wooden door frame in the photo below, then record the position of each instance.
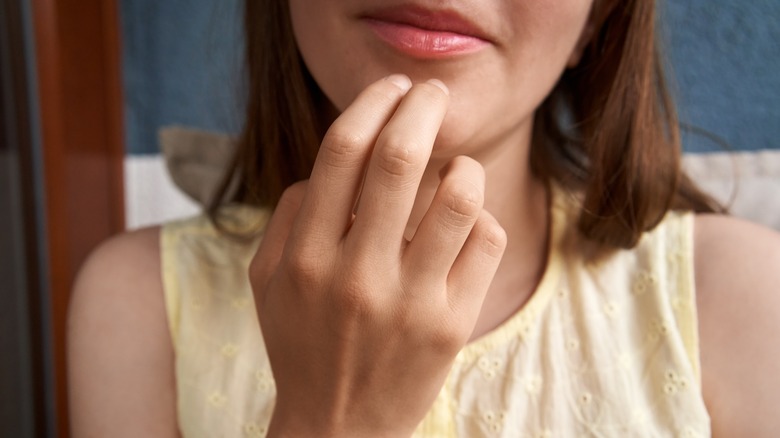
(80, 99)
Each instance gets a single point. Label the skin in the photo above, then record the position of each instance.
(488, 120)
(415, 257)
(427, 291)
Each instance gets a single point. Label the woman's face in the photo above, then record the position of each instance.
(499, 58)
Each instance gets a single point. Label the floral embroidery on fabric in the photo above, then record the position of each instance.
(264, 380)
(217, 400)
(674, 383)
(533, 384)
(611, 309)
(240, 303)
(643, 282)
(494, 421)
(253, 430)
(657, 330)
(229, 350)
(546, 433)
(489, 367)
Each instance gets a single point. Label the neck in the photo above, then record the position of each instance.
(520, 204)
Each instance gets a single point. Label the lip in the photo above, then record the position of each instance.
(426, 33)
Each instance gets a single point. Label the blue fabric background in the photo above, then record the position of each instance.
(182, 65)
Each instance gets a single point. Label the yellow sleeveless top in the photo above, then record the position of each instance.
(605, 348)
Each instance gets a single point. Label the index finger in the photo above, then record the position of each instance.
(338, 171)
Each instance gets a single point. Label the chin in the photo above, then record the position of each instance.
(454, 138)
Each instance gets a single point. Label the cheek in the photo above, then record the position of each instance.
(544, 31)
(326, 40)
(543, 45)
(501, 94)
(315, 38)
(310, 33)
(564, 26)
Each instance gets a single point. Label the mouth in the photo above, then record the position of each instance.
(426, 34)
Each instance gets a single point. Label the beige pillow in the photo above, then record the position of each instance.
(196, 160)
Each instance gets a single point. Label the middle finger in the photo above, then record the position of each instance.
(396, 167)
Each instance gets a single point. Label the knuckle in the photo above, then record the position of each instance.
(492, 237)
(353, 299)
(342, 143)
(304, 267)
(352, 293)
(446, 339)
(396, 157)
(293, 195)
(463, 202)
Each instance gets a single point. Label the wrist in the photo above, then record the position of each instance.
(297, 425)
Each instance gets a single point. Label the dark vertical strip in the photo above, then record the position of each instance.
(77, 50)
(24, 373)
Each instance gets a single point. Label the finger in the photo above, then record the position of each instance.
(339, 168)
(397, 164)
(275, 236)
(449, 220)
(474, 268)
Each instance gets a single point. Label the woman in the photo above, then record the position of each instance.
(504, 250)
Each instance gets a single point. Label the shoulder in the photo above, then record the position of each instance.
(119, 349)
(735, 259)
(134, 254)
(736, 262)
(741, 247)
(737, 267)
(122, 273)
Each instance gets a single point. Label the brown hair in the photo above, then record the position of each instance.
(608, 130)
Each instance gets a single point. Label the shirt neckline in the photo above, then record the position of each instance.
(521, 322)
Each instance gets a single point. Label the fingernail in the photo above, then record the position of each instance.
(441, 85)
(402, 81)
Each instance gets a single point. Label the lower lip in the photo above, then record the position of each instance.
(424, 43)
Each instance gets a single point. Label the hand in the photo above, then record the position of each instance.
(361, 326)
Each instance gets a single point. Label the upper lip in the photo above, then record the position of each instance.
(438, 20)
